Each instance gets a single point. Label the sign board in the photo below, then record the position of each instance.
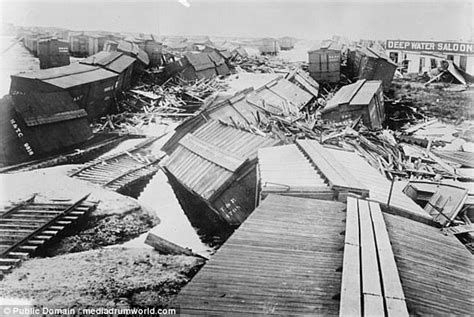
(431, 46)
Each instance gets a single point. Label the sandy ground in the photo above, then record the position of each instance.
(110, 277)
(79, 271)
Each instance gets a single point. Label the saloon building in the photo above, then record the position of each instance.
(421, 56)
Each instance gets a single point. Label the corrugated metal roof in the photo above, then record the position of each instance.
(203, 175)
(435, 269)
(115, 61)
(81, 78)
(199, 61)
(285, 169)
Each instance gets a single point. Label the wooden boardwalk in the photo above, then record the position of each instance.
(285, 259)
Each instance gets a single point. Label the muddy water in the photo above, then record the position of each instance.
(184, 221)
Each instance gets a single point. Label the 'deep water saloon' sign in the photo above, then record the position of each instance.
(431, 46)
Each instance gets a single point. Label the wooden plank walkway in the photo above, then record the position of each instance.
(370, 282)
(285, 259)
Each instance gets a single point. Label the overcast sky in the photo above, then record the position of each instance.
(311, 19)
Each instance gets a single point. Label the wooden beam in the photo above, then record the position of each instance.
(212, 153)
(351, 300)
(392, 287)
(371, 288)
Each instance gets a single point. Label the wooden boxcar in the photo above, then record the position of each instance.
(116, 62)
(53, 53)
(368, 63)
(362, 99)
(217, 164)
(325, 62)
(93, 88)
(286, 43)
(79, 44)
(269, 46)
(219, 62)
(37, 124)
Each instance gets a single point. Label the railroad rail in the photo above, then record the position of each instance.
(117, 171)
(28, 226)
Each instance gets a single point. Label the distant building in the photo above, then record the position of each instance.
(422, 56)
(269, 46)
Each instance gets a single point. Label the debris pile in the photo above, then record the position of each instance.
(148, 103)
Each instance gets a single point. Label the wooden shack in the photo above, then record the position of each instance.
(269, 46)
(325, 62)
(38, 124)
(53, 53)
(116, 62)
(286, 43)
(369, 63)
(197, 66)
(79, 44)
(91, 87)
(217, 164)
(154, 50)
(362, 99)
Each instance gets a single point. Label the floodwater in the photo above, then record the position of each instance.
(191, 227)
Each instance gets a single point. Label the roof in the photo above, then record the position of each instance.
(358, 93)
(134, 50)
(306, 82)
(74, 68)
(199, 61)
(283, 260)
(435, 269)
(326, 45)
(281, 92)
(216, 58)
(81, 78)
(379, 185)
(114, 61)
(375, 53)
(45, 108)
(285, 169)
(205, 174)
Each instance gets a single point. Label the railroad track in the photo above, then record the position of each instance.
(117, 171)
(28, 226)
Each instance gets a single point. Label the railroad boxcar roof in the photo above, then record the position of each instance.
(133, 49)
(358, 93)
(326, 45)
(75, 68)
(199, 61)
(115, 61)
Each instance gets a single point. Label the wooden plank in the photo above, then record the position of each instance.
(352, 222)
(373, 305)
(212, 153)
(396, 307)
(370, 269)
(351, 304)
(390, 279)
(460, 229)
(337, 176)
